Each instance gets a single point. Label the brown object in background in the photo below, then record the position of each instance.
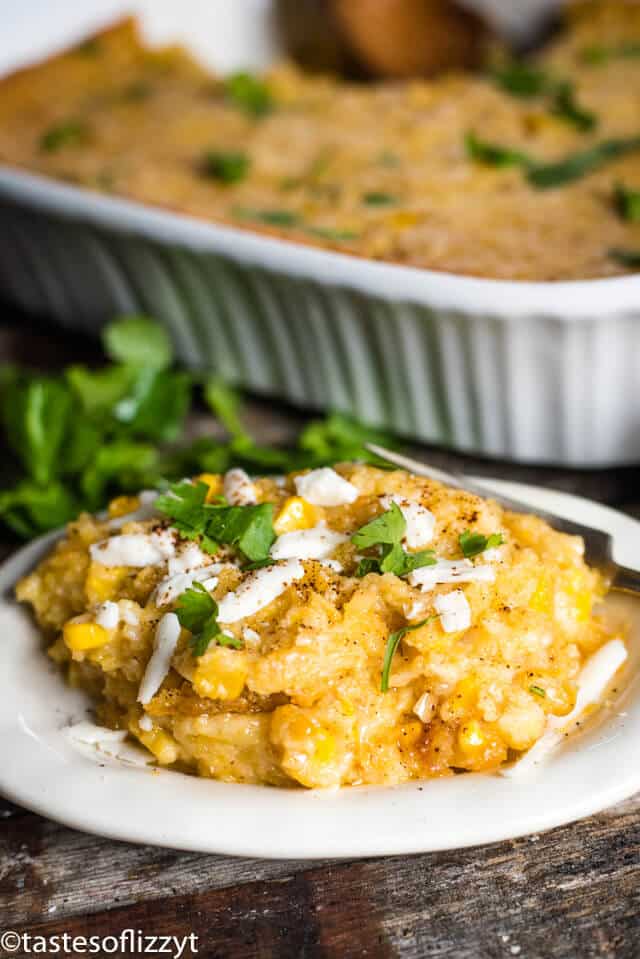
(387, 38)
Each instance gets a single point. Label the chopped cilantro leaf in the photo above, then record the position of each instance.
(521, 80)
(627, 203)
(392, 644)
(138, 341)
(549, 175)
(379, 199)
(628, 258)
(567, 108)
(492, 154)
(197, 611)
(538, 691)
(185, 505)
(249, 93)
(472, 544)
(226, 166)
(599, 55)
(388, 528)
(269, 217)
(69, 133)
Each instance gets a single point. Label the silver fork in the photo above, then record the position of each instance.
(598, 544)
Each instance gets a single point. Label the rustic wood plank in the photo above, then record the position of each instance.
(571, 893)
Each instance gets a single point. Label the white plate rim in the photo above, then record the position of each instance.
(40, 771)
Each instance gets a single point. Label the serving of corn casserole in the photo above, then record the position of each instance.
(331, 627)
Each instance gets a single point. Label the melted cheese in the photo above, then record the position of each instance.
(135, 549)
(238, 488)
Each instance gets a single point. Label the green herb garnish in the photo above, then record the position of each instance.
(521, 80)
(379, 199)
(599, 55)
(472, 544)
(627, 203)
(197, 611)
(538, 691)
(326, 233)
(249, 93)
(227, 167)
(392, 644)
(70, 133)
(547, 175)
(628, 258)
(385, 532)
(492, 154)
(269, 217)
(248, 528)
(567, 108)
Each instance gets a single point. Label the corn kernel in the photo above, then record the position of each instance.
(347, 707)
(542, 599)
(80, 636)
(471, 737)
(582, 603)
(163, 746)
(123, 505)
(214, 482)
(324, 745)
(221, 674)
(296, 514)
(103, 582)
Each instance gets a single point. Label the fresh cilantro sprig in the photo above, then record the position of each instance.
(66, 134)
(599, 55)
(472, 544)
(385, 533)
(248, 93)
(627, 258)
(225, 166)
(248, 528)
(197, 611)
(392, 645)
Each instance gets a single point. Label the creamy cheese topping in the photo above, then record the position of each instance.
(108, 615)
(325, 487)
(173, 586)
(454, 611)
(164, 645)
(145, 511)
(595, 676)
(316, 543)
(238, 488)
(135, 549)
(128, 614)
(146, 723)
(451, 571)
(188, 557)
(420, 521)
(258, 590)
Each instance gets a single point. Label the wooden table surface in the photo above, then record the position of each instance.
(572, 893)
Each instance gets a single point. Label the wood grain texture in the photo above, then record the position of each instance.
(573, 893)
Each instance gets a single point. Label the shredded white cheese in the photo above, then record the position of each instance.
(188, 557)
(420, 521)
(424, 707)
(146, 723)
(258, 590)
(450, 571)
(145, 511)
(594, 678)
(135, 549)
(173, 586)
(325, 487)
(454, 611)
(164, 644)
(238, 488)
(108, 615)
(316, 543)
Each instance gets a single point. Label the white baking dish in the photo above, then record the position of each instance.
(542, 372)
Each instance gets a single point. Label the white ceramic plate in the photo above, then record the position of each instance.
(43, 771)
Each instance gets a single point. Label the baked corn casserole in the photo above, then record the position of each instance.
(331, 627)
(523, 170)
